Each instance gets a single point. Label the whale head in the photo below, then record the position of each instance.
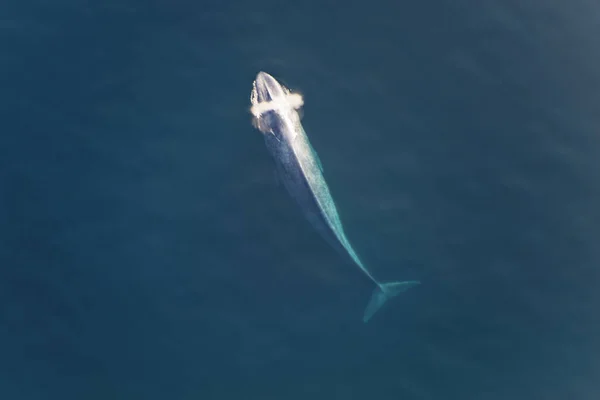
(267, 89)
(269, 95)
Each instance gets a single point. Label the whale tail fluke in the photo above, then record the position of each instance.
(383, 292)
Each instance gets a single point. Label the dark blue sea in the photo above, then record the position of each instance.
(147, 250)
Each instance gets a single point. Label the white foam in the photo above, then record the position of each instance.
(288, 101)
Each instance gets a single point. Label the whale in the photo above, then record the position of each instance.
(275, 113)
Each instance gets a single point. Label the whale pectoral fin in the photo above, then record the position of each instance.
(317, 158)
(319, 162)
(384, 292)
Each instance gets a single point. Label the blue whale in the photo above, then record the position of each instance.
(275, 111)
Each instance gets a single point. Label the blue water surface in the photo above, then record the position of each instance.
(147, 251)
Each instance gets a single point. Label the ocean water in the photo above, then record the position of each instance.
(147, 251)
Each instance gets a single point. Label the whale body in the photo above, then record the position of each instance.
(275, 111)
